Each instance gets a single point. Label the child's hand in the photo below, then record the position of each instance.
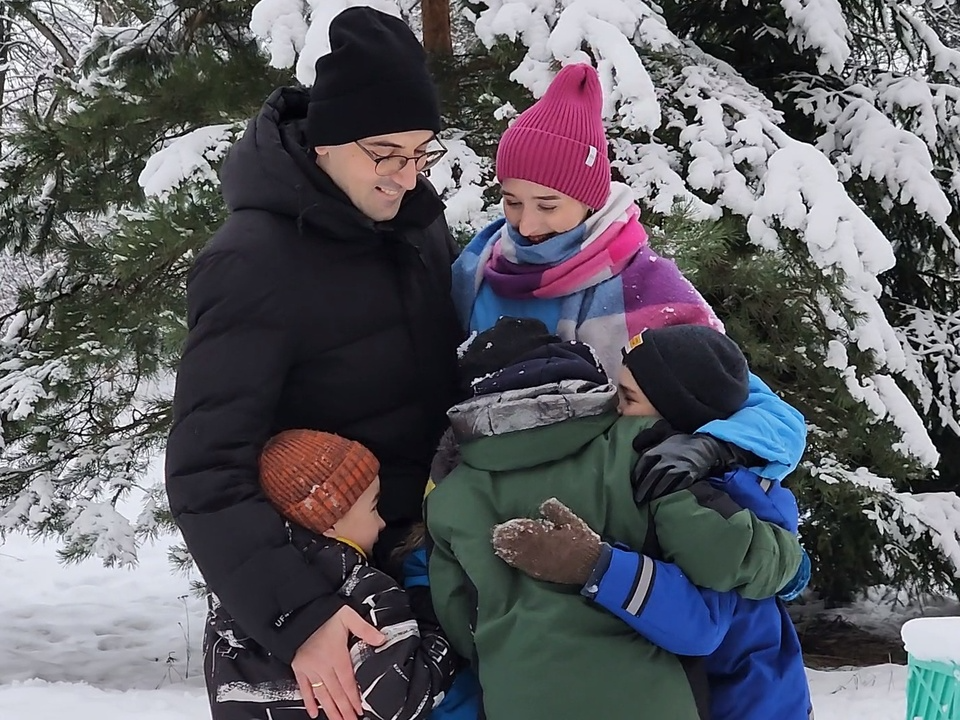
(561, 548)
(679, 460)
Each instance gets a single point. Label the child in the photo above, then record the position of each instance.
(754, 664)
(327, 487)
(542, 423)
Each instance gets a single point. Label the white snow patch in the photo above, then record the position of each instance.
(190, 157)
(281, 28)
(935, 638)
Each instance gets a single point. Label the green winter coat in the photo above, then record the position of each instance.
(541, 650)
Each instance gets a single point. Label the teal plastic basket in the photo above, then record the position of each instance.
(933, 690)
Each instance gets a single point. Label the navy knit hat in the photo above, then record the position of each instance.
(521, 353)
(374, 81)
(564, 360)
(692, 374)
(499, 346)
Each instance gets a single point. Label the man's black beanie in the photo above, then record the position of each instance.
(690, 373)
(374, 81)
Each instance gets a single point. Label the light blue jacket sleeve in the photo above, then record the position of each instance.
(660, 603)
(766, 426)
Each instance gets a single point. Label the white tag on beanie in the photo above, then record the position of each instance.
(591, 156)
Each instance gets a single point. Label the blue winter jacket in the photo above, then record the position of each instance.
(754, 664)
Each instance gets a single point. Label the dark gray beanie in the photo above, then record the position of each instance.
(690, 373)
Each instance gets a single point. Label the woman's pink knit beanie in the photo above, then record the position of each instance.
(559, 142)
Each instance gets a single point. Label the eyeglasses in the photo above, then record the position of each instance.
(387, 165)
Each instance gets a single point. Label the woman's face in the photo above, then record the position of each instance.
(538, 212)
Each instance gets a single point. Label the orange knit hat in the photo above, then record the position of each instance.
(313, 477)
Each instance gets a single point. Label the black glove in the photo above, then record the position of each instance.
(679, 460)
(653, 436)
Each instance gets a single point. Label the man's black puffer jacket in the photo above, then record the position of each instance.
(303, 313)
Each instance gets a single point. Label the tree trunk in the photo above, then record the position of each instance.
(437, 39)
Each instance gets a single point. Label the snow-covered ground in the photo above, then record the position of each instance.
(87, 643)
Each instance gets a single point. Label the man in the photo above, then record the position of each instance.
(323, 302)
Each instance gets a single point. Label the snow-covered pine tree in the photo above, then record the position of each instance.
(87, 352)
(785, 241)
(37, 41)
(110, 186)
(816, 145)
(826, 134)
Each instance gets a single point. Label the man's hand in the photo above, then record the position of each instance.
(323, 668)
(561, 548)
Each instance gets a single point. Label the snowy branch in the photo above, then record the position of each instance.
(190, 158)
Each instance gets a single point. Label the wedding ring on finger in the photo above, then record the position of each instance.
(316, 685)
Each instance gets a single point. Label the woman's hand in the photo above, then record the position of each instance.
(324, 670)
(560, 548)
